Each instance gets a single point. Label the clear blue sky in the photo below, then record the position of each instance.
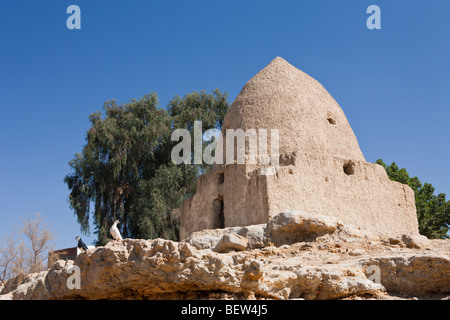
(393, 84)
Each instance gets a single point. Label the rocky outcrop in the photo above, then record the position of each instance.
(321, 259)
(293, 226)
(209, 239)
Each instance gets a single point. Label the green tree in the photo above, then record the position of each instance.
(125, 169)
(433, 212)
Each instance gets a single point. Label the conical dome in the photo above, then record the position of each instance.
(308, 118)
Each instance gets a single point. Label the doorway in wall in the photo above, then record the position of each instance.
(219, 216)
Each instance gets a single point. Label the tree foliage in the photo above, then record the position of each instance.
(433, 211)
(125, 170)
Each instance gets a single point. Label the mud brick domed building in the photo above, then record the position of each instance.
(320, 169)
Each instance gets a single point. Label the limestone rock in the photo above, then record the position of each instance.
(357, 252)
(34, 287)
(415, 241)
(13, 283)
(322, 260)
(231, 242)
(395, 240)
(347, 286)
(254, 235)
(414, 274)
(294, 226)
(285, 228)
(208, 239)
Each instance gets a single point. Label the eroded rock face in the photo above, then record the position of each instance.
(232, 242)
(209, 239)
(419, 274)
(304, 256)
(293, 226)
(285, 228)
